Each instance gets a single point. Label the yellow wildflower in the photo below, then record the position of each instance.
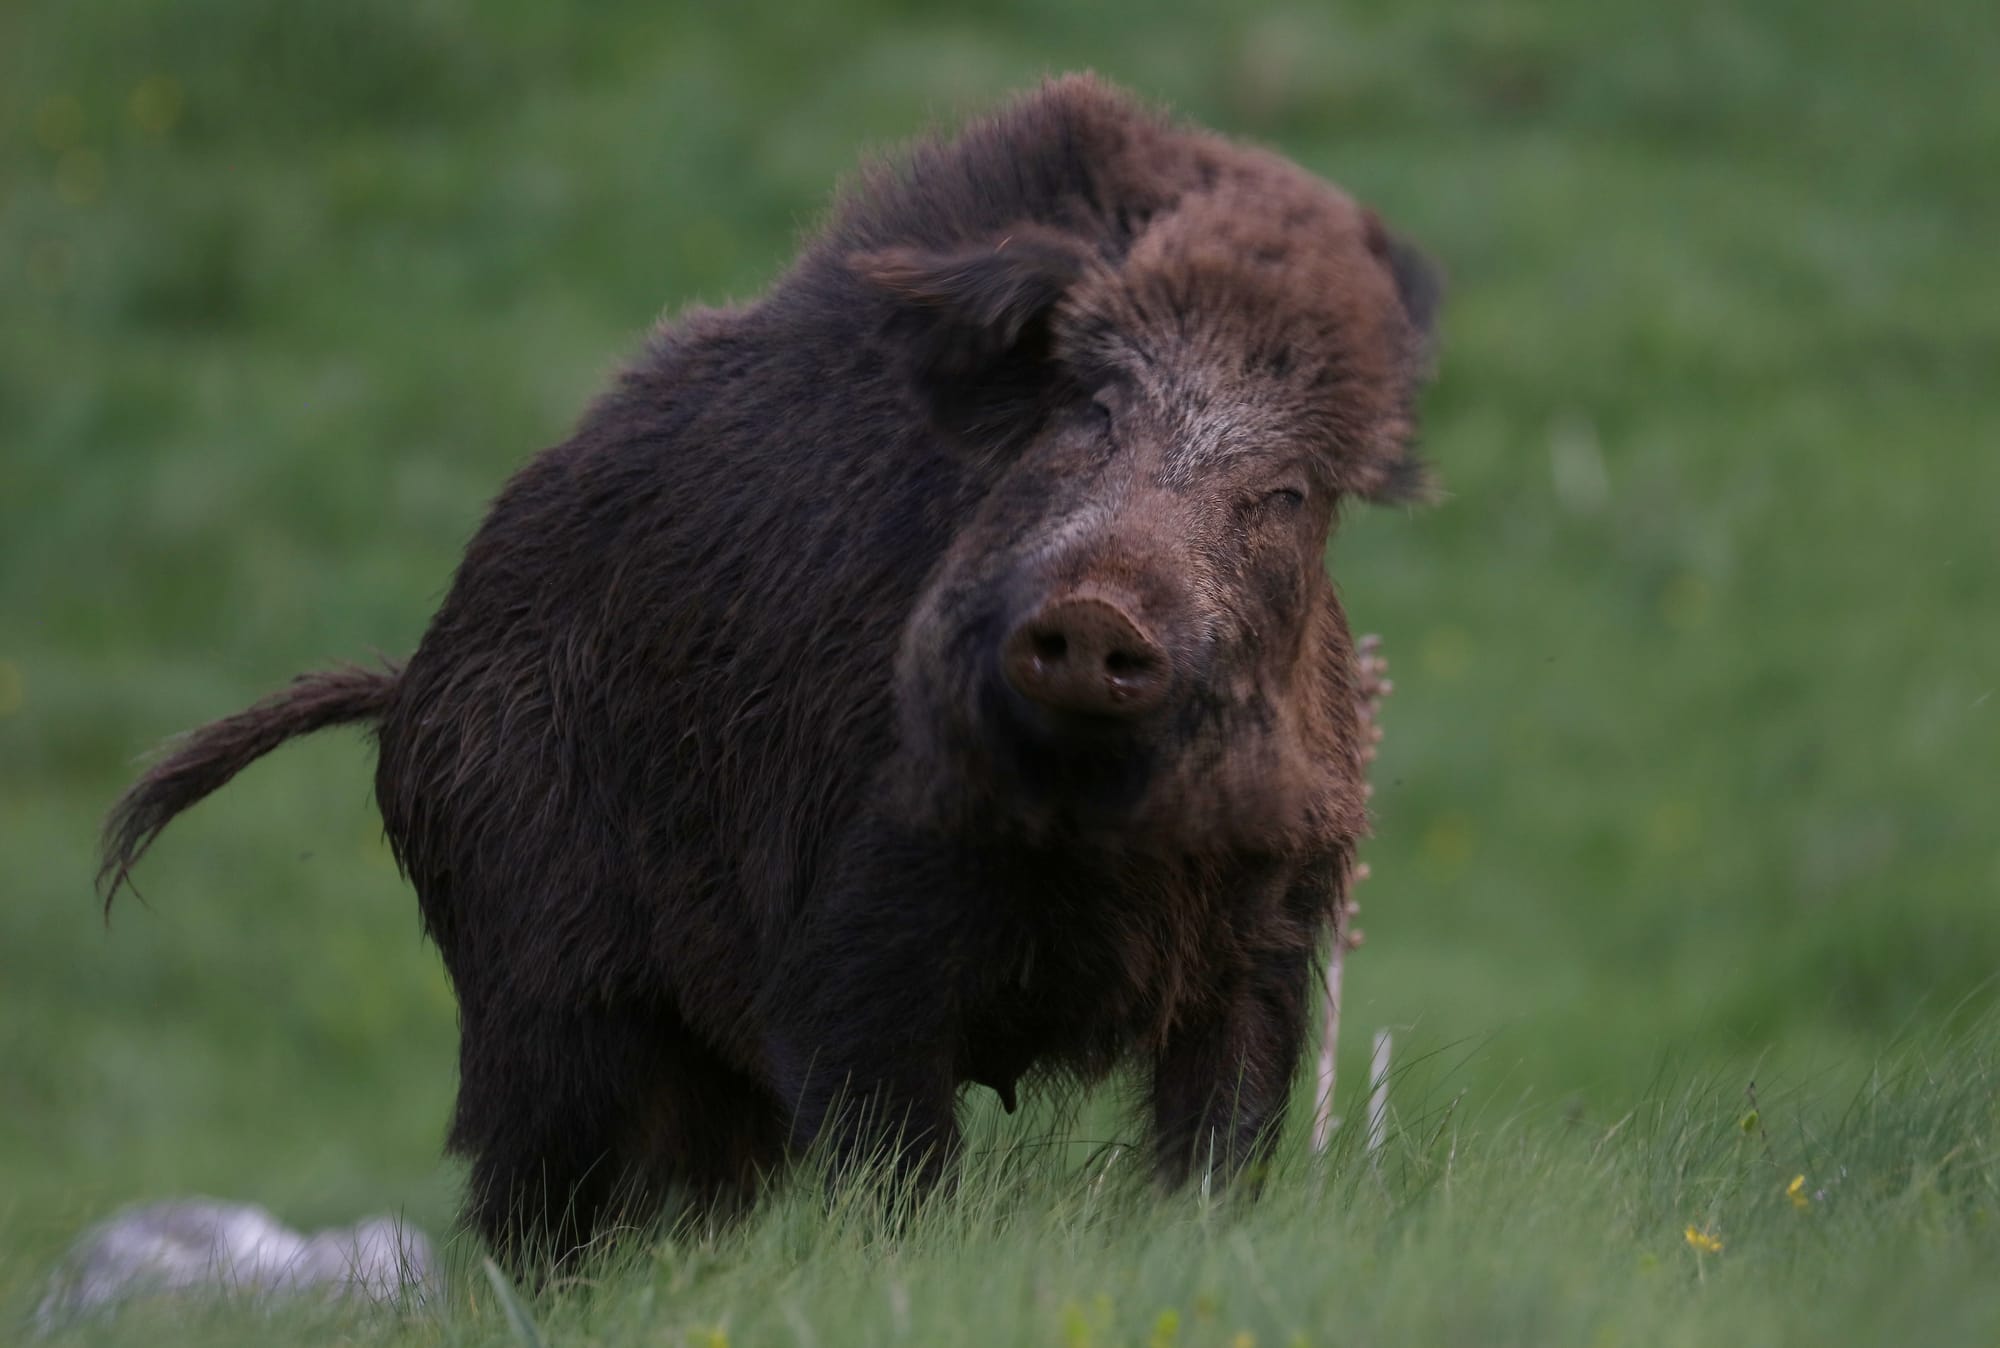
(1796, 1191)
(1703, 1241)
(59, 123)
(155, 105)
(1076, 1326)
(1081, 1326)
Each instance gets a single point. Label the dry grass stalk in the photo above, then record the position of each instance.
(1374, 685)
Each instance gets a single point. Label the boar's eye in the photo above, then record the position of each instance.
(1272, 504)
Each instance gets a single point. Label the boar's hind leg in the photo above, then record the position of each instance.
(1220, 1084)
(546, 1101)
(705, 1134)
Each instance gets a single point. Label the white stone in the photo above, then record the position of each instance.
(201, 1243)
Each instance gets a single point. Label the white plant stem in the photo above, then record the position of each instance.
(1378, 1095)
(1324, 1121)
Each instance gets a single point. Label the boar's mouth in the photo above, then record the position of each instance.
(982, 753)
(1093, 765)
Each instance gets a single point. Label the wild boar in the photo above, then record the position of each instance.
(926, 674)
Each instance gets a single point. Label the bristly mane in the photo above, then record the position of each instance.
(1076, 211)
(1073, 153)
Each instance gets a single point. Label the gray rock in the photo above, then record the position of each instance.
(202, 1244)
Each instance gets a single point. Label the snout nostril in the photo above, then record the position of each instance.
(1086, 655)
(1122, 664)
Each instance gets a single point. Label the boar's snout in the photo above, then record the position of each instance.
(1087, 655)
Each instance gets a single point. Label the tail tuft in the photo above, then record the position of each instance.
(206, 758)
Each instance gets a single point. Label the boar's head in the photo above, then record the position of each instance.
(1170, 385)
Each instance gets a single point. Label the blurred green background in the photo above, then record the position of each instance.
(1693, 750)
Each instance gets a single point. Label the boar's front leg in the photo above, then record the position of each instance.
(1220, 1083)
(863, 1015)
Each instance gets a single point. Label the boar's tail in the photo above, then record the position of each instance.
(210, 756)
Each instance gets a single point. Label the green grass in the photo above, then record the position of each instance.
(1702, 1215)
(1691, 760)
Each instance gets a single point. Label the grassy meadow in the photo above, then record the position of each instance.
(1690, 772)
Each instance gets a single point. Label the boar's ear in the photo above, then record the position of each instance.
(975, 323)
(1402, 477)
(1419, 283)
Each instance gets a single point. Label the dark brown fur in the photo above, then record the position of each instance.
(714, 795)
